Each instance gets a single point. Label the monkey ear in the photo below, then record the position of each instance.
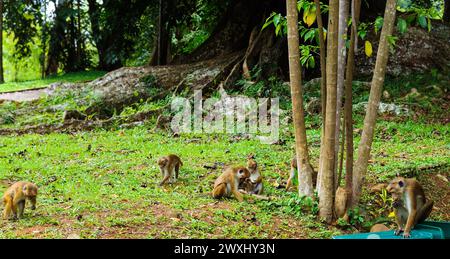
(401, 183)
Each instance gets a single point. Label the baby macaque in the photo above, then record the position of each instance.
(228, 182)
(410, 204)
(170, 168)
(292, 174)
(253, 184)
(15, 198)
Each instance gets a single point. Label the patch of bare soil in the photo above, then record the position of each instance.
(437, 189)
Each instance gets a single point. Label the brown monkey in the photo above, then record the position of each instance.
(15, 198)
(292, 174)
(253, 184)
(228, 182)
(410, 204)
(170, 168)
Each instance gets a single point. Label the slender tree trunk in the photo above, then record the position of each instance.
(94, 17)
(305, 172)
(44, 40)
(56, 40)
(323, 82)
(374, 100)
(326, 194)
(80, 42)
(2, 78)
(341, 159)
(163, 45)
(446, 17)
(342, 53)
(356, 7)
(323, 55)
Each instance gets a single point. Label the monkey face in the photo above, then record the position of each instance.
(396, 186)
(30, 190)
(252, 166)
(162, 162)
(243, 173)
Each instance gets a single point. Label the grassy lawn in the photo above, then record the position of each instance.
(66, 78)
(104, 184)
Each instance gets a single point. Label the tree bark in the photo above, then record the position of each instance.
(2, 78)
(44, 41)
(323, 54)
(94, 17)
(446, 17)
(342, 53)
(356, 7)
(374, 99)
(56, 41)
(163, 38)
(305, 172)
(323, 82)
(326, 194)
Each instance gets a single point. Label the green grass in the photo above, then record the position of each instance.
(66, 78)
(108, 180)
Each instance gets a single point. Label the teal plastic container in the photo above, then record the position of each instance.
(426, 230)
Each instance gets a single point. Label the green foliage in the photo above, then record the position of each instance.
(294, 205)
(22, 19)
(19, 68)
(355, 217)
(310, 36)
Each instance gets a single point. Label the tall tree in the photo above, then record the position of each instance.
(446, 16)
(323, 81)
(2, 78)
(374, 100)
(323, 73)
(356, 7)
(163, 43)
(342, 53)
(305, 172)
(57, 38)
(326, 194)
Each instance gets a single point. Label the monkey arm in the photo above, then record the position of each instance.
(166, 177)
(33, 203)
(410, 222)
(236, 193)
(258, 188)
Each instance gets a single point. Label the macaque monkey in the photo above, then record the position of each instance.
(378, 228)
(15, 198)
(410, 204)
(228, 182)
(292, 174)
(253, 184)
(170, 167)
